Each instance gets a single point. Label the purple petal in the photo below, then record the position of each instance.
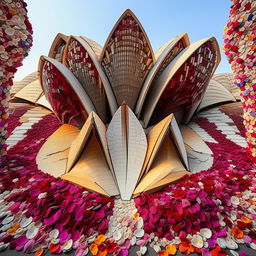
(28, 246)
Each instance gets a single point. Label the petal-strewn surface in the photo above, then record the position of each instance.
(127, 58)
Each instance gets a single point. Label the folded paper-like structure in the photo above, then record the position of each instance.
(120, 159)
(119, 104)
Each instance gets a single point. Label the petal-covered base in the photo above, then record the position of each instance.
(220, 199)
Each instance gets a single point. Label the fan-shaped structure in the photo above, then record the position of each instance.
(137, 146)
(97, 49)
(57, 49)
(31, 92)
(227, 80)
(17, 86)
(215, 94)
(80, 58)
(164, 56)
(69, 101)
(127, 57)
(180, 88)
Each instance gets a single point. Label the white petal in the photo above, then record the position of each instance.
(143, 249)
(206, 232)
(54, 234)
(197, 241)
(231, 244)
(222, 242)
(139, 233)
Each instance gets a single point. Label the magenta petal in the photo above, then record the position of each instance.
(71, 208)
(48, 211)
(211, 243)
(64, 236)
(14, 206)
(182, 235)
(20, 242)
(35, 192)
(79, 214)
(205, 252)
(216, 223)
(221, 233)
(59, 251)
(28, 246)
(100, 214)
(123, 253)
(103, 225)
(75, 235)
(53, 219)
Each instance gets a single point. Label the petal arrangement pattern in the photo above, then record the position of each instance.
(137, 96)
(16, 40)
(240, 48)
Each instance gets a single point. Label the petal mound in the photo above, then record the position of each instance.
(67, 97)
(163, 57)
(127, 58)
(80, 58)
(57, 48)
(127, 145)
(180, 87)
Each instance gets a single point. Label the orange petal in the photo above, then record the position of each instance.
(39, 252)
(102, 253)
(94, 249)
(99, 239)
(136, 215)
(162, 253)
(238, 233)
(245, 219)
(183, 247)
(191, 248)
(171, 249)
(10, 231)
(239, 195)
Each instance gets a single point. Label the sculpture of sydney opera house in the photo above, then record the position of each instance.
(121, 106)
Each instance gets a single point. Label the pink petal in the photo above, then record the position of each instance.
(79, 252)
(28, 246)
(179, 208)
(53, 219)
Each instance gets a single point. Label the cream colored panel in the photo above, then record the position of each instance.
(30, 92)
(92, 165)
(166, 168)
(52, 157)
(215, 94)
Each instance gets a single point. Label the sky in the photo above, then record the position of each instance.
(162, 20)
